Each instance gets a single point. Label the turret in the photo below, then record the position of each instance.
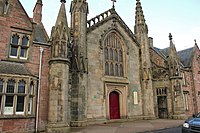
(176, 81)
(37, 12)
(141, 33)
(79, 11)
(59, 75)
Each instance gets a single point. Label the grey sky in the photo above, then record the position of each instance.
(180, 17)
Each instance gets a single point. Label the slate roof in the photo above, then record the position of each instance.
(13, 68)
(186, 56)
(165, 51)
(40, 35)
(162, 52)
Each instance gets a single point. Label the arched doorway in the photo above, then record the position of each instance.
(114, 105)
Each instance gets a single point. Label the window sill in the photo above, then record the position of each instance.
(16, 117)
(16, 60)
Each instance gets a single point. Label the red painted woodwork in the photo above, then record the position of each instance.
(114, 105)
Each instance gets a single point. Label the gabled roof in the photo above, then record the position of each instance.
(13, 68)
(159, 52)
(165, 51)
(106, 16)
(186, 56)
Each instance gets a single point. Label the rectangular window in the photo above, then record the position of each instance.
(19, 46)
(20, 105)
(8, 109)
(183, 79)
(186, 101)
(135, 96)
(10, 88)
(1, 86)
(30, 104)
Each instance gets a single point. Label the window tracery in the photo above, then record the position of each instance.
(19, 46)
(113, 56)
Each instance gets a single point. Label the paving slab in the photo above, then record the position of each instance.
(130, 127)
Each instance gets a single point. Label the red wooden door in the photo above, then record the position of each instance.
(114, 105)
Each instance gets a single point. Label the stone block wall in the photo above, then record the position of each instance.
(97, 103)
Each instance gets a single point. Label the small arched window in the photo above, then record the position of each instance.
(6, 6)
(10, 86)
(113, 56)
(21, 87)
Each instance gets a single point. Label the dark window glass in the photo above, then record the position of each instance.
(25, 41)
(120, 56)
(111, 54)
(20, 104)
(106, 53)
(15, 39)
(9, 101)
(23, 52)
(13, 51)
(121, 71)
(21, 87)
(116, 55)
(10, 87)
(116, 70)
(1, 86)
(106, 69)
(111, 69)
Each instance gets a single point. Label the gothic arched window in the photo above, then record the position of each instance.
(113, 56)
(6, 6)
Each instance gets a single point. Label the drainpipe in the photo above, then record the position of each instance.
(38, 93)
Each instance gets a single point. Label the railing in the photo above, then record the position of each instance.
(111, 12)
(100, 17)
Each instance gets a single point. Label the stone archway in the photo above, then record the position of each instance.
(116, 99)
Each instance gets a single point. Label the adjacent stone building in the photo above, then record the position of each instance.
(94, 71)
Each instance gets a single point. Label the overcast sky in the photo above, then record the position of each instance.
(179, 17)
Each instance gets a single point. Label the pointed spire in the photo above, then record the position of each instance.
(140, 24)
(62, 17)
(37, 12)
(60, 34)
(139, 18)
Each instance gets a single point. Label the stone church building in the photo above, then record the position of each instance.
(94, 71)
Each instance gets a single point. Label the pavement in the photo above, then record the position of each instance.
(139, 126)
